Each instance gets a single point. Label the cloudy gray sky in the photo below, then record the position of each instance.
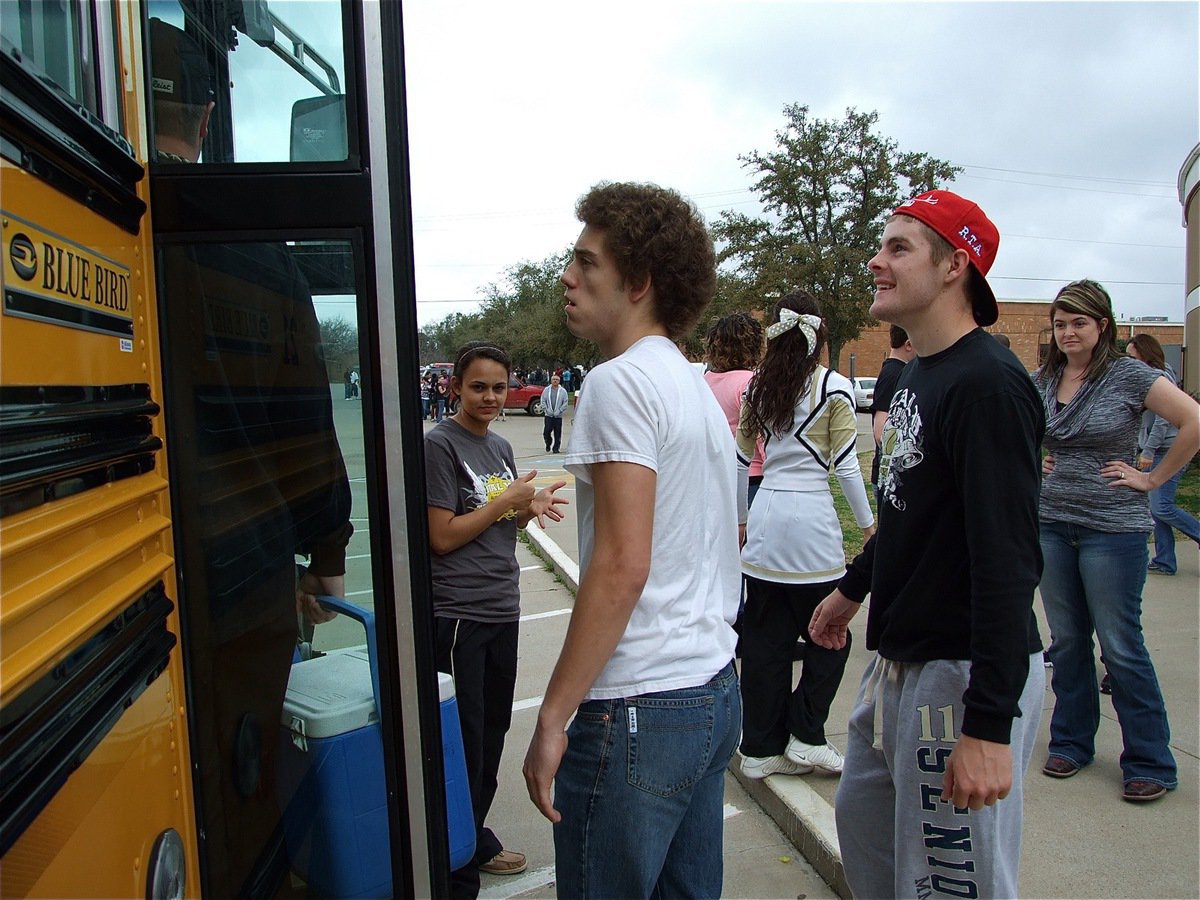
(1072, 121)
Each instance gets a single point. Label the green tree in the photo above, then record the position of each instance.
(523, 313)
(441, 340)
(827, 191)
(340, 340)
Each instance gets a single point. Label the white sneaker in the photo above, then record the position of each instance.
(761, 766)
(824, 757)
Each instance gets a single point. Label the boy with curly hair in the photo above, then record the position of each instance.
(646, 667)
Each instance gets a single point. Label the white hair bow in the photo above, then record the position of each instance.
(789, 319)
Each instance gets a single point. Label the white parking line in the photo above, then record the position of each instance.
(527, 704)
(731, 811)
(546, 615)
(523, 568)
(358, 593)
(360, 556)
(543, 877)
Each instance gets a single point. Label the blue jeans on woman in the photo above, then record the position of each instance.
(1167, 516)
(641, 790)
(1092, 582)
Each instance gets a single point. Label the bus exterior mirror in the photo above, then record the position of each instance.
(319, 129)
(253, 19)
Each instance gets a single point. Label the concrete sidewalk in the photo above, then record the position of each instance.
(1081, 839)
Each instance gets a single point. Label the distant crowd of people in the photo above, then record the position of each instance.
(987, 482)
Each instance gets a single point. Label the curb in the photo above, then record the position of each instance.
(802, 814)
(545, 547)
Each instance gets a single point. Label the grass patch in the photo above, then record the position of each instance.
(852, 537)
(1188, 495)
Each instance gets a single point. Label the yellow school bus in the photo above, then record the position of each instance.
(186, 188)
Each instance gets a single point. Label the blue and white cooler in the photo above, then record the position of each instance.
(330, 779)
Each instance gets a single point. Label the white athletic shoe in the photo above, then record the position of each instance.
(761, 766)
(824, 757)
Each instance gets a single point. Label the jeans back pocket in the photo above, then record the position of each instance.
(669, 742)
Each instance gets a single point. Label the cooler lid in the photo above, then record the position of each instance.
(445, 687)
(331, 694)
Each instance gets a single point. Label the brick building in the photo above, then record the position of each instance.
(1027, 324)
(1189, 198)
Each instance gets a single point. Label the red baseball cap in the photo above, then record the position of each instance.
(965, 227)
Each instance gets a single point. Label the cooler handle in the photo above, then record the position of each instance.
(367, 620)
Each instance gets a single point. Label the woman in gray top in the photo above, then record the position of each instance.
(1095, 517)
(1156, 439)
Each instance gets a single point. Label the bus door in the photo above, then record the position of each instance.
(278, 185)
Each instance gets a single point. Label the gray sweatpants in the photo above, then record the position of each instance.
(897, 838)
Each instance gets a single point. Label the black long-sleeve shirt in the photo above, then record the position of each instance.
(953, 567)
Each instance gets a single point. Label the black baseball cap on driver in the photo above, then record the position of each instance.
(179, 71)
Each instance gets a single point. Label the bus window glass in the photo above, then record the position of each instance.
(266, 447)
(55, 39)
(273, 74)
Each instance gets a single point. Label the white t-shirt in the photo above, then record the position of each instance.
(650, 407)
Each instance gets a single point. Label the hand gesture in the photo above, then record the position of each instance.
(1048, 464)
(519, 494)
(830, 621)
(544, 503)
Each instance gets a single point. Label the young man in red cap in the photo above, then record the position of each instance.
(930, 801)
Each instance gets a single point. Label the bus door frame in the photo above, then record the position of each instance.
(367, 196)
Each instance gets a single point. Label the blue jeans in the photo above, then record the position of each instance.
(641, 790)
(1168, 516)
(1092, 582)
